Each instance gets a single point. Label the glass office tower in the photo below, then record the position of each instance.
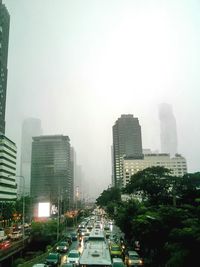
(51, 169)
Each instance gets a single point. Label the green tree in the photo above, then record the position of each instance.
(112, 194)
(124, 216)
(187, 189)
(153, 184)
(44, 232)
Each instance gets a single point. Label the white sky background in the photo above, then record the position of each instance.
(79, 64)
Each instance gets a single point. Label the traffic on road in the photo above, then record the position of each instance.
(96, 242)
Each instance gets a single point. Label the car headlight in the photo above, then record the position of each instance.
(141, 262)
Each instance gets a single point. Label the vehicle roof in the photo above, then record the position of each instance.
(53, 253)
(117, 260)
(132, 252)
(95, 255)
(97, 235)
(73, 251)
(39, 265)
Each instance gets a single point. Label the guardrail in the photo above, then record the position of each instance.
(41, 258)
(14, 248)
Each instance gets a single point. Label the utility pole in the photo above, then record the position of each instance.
(58, 218)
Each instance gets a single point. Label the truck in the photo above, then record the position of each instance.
(3, 236)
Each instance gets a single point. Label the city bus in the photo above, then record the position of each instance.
(96, 252)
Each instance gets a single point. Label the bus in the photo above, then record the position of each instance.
(96, 252)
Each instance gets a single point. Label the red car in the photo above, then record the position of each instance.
(5, 244)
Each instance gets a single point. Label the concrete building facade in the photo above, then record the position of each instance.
(8, 156)
(51, 169)
(4, 39)
(127, 141)
(176, 164)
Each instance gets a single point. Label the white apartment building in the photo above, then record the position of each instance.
(8, 155)
(176, 164)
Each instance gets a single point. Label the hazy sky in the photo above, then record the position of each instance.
(79, 64)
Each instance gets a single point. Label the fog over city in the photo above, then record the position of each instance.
(77, 65)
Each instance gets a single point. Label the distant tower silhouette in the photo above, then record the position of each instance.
(168, 133)
(31, 127)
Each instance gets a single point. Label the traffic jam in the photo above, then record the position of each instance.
(97, 241)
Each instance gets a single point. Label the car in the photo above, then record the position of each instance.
(16, 235)
(73, 236)
(133, 259)
(115, 251)
(73, 257)
(5, 244)
(62, 246)
(106, 227)
(89, 227)
(107, 233)
(82, 232)
(68, 238)
(53, 259)
(3, 236)
(118, 262)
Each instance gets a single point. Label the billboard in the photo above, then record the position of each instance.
(43, 209)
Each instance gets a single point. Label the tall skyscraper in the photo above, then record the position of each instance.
(168, 133)
(8, 149)
(8, 155)
(4, 38)
(127, 141)
(31, 127)
(51, 169)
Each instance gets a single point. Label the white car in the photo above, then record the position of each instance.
(73, 257)
(16, 235)
(133, 259)
(118, 262)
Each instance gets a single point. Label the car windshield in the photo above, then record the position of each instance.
(115, 248)
(52, 256)
(133, 257)
(63, 244)
(73, 255)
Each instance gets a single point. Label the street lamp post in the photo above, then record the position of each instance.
(23, 205)
(77, 195)
(58, 218)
